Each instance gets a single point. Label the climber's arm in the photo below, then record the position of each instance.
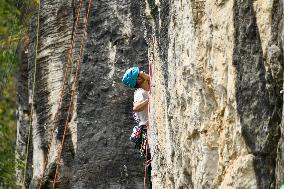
(140, 105)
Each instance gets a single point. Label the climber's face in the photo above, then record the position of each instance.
(143, 83)
(140, 80)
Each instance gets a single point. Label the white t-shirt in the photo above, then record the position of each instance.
(141, 95)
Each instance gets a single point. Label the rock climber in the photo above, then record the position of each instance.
(139, 80)
(134, 78)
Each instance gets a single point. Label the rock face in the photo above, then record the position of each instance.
(97, 152)
(216, 107)
(105, 158)
(23, 112)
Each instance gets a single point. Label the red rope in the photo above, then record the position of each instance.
(69, 58)
(76, 76)
(145, 168)
(147, 162)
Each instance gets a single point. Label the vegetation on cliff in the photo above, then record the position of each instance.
(7, 133)
(15, 16)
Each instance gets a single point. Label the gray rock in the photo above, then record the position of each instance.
(97, 152)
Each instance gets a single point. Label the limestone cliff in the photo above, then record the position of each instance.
(216, 102)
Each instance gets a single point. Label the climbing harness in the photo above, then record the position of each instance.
(32, 99)
(69, 61)
(138, 137)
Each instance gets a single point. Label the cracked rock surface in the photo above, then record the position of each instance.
(216, 107)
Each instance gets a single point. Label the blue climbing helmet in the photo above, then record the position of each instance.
(130, 77)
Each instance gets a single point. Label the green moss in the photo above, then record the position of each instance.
(15, 17)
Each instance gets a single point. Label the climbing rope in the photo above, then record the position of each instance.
(68, 65)
(148, 162)
(75, 79)
(32, 99)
